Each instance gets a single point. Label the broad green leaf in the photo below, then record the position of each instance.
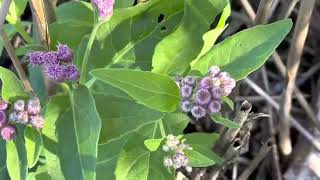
(3, 165)
(129, 38)
(12, 88)
(177, 50)
(201, 156)
(217, 118)
(228, 102)
(33, 143)
(175, 123)
(36, 78)
(16, 9)
(156, 91)
(122, 116)
(71, 135)
(107, 158)
(137, 162)
(203, 139)
(153, 144)
(40, 174)
(123, 3)
(245, 51)
(210, 37)
(75, 11)
(17, 164)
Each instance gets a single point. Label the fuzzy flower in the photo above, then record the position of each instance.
(55, 73)
(198, 112)
(186, 106)
(34, 106)
(37, 121)
(214, 70)
(206, 82)
(189, 80)
(180, 160)
(214, 107)
(36, 58)
(186, 91)
(13, 116)
(3, 105)
(71, 72)
(3, 119)
(203, 96)
(64, 53)
(167, 162)
(50, 58)
(105, 8)
(8, 132)
(19, 105)
(23, 117)
(216, 92)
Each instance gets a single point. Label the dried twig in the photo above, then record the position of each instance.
(293, 121)
(293, 62)
(255, 162)
(7, 44)
(262, 14)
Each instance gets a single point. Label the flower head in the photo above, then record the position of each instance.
(34, 106)
(198, 112)
(19, 105)
(105, 8)
(167, 161)
(214, 107)
(216, 92)
(13, 116)
(37, 121)
(36, 58)
(50, 58)
(8, 132)
(186, 106)
(71, 72)
(189, 80)
(203, 96)
(23, 117)
(186, 91)
(55, 73)
(3, 105)
(206, 82)
(64, 53)
(180, 160)
(3, 119)
(214, 70)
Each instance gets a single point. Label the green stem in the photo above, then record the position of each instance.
(163, 132)
(83, 75)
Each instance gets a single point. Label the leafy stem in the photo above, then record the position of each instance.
(162, 131)
(84, 72)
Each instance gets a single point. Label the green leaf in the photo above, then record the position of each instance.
(153, 144)
(137, 162)
(33, 143)
(40, 174)
(245, 51)
(156, 91)
(12, 88)
(75, 11)
(228, 102)
(175, 123)
(129, 38)
(122, 116)
(201, 156)
(71, 135)
(210, 37)
(17, 164)
(217, 118)
(123, 3)
(178, 49)
(16, 9)
(203, 139)
(3, 165)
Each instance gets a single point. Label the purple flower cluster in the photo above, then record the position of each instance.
(204, 96)
(28, 113)
(105, 8)
(8, 131)
(175, 146)
(58, 64)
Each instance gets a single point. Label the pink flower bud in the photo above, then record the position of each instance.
(19, 105)
(8, 132)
